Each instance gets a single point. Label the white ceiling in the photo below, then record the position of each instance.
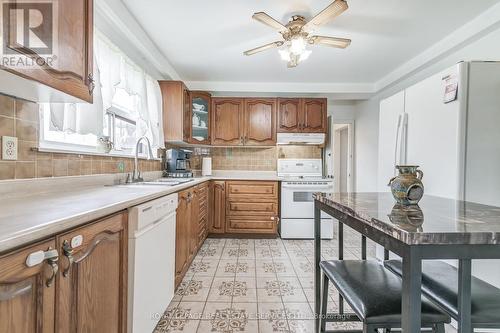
(205, 40)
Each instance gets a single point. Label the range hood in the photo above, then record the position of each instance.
(316, 139)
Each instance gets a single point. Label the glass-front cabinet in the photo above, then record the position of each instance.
(200, 117)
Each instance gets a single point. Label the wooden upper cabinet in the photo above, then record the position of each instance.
(289, 115)
(199, 131)
(92, 284)
(227, 121)
(302, 115)
(314, 114)
(72, 70)
(260, 121)
(176, 103)
(27, 294)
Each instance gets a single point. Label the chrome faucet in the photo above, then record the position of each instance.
(136, 175)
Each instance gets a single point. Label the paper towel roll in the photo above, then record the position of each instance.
(206, 166)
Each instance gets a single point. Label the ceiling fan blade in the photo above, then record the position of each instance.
(269, 21)
(329, 13)
(341, 43)
(263, 48)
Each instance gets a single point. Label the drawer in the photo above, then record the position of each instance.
(251, 188)
(251, 224)
(252, 208)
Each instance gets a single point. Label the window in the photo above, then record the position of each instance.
(127, 105)
(121, 121)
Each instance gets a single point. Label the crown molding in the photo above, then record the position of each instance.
(119, 17)
(281, 87)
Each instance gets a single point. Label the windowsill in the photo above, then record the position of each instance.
(90, 153)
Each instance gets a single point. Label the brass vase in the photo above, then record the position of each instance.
(407, 187)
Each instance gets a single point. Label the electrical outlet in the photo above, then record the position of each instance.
(9, 148)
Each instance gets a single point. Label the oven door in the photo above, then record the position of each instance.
(297, 200)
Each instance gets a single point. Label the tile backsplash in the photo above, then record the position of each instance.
(19, 118)
(255, 159)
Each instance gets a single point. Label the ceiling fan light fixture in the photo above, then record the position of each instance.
(298, 45)
(284, 54)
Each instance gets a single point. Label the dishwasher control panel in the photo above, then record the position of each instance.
(151, 212)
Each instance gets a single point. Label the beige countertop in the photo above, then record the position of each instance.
(36, 209)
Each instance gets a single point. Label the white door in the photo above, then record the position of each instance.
(389, 148)
(434, 128)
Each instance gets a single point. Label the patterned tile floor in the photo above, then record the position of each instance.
(254, 285)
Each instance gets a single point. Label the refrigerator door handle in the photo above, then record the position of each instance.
(396, 144)
(404, 137)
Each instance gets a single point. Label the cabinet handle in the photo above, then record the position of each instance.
(68, 252)
(52, 261)
(91, 83)
(275, 218)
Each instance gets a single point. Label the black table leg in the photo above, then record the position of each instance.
(317, 259)
(341, 257)
(464, 296)
(412, 295)
(363, 247)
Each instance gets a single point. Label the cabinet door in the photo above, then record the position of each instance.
(27, 294)
(186, 112)
(71, 38)
(260, 122)
(218, 207)
(92, 284)
(289, 114)
(182, 235)
(314, 115)
(227, 121)
(200, 118)
(193, 223)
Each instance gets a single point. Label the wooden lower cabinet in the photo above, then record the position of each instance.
(80, 286)
(92, 285)
(183, 230)
(244, 207)
(218, 205)
(191, 227)
(27, 294)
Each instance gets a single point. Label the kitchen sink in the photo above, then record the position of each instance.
(159, 182)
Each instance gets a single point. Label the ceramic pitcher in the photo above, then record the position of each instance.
(407, 188)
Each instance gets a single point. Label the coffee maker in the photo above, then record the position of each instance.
(177, 163)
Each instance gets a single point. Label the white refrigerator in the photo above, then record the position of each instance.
(455, 141)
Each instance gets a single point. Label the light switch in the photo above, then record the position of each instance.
(9, 148)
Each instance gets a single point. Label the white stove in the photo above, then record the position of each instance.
(300, 179)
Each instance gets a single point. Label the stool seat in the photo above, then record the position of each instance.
(440, 284)
(374, 292)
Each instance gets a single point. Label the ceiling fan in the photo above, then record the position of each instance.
(296, 34)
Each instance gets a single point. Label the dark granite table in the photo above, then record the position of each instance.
(437, 229)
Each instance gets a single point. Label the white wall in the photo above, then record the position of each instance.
(366, 112)
(366, 145)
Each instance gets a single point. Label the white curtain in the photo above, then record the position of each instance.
(123, 73)
(113, 70)
(80, 118)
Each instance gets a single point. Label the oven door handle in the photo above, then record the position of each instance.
(307, 188)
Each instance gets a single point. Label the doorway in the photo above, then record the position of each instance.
(342, 136)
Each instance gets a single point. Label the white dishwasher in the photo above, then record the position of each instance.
(151, 262)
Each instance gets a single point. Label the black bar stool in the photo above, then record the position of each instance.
(440, 284)
(374, 293)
